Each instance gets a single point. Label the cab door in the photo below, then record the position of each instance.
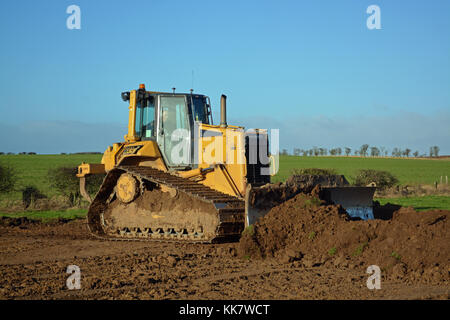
(174, 132)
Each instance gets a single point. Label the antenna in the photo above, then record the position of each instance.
(192, 81)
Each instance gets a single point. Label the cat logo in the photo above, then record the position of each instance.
(131, 150)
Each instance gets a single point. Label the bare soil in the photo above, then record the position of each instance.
(408, 246)
(34, 258)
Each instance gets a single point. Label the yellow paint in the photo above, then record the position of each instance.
(131, 136)
(225, 151)
(90, 168)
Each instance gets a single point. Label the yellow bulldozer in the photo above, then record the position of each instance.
(177, 176)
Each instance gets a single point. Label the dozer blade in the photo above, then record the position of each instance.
(252, 211)
(259, 200)
(357, 201)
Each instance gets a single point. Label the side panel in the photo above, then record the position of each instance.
(144, 153)
(222, 149)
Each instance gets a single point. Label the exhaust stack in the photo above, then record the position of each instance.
(223, 111)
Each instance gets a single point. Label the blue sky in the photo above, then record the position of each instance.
(310, 68)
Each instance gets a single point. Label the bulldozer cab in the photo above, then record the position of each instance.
(169, 119)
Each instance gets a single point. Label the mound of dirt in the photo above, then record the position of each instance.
(307, 182)
(305, 229)
(273, 194)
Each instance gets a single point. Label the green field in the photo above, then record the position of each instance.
(32, 170)
(407, 171)
(420, 203)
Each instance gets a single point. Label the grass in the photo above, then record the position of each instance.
(332, 251)
(32, 170)
(424, 203)
(313, 202)
(249, 231)
(46, 216)
(396, 255)
(359, 250)
(311, 235)
(407, 171)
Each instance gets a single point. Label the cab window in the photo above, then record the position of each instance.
(199, 109)
(145, 118)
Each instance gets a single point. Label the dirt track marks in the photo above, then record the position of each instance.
(33, 264)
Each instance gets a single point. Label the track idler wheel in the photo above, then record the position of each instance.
(127, 188)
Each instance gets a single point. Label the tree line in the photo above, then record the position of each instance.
(365, 150)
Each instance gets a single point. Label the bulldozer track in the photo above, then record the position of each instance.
(230, 209)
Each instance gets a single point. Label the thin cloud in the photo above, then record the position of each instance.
(404, 130)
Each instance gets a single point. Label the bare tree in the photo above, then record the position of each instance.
(335, 151)
(323, 151)
(347, 151)
(393, 153)
(407, 152)
(363, 149)
(396, 152)
(436, 151)
(316, 151)
(374, 152)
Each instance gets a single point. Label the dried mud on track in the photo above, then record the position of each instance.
(34, 258)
